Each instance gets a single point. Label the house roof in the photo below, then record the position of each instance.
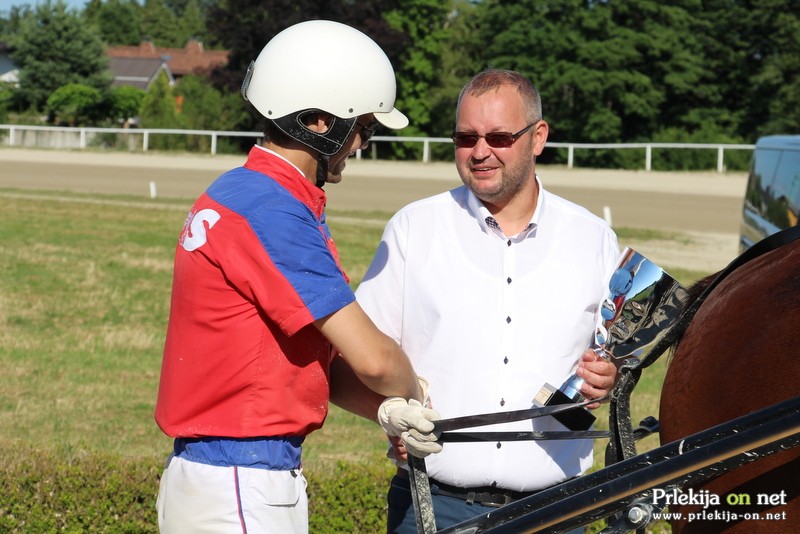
(182, 61)
(136, 71)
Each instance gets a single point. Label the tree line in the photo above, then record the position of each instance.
(609, 71)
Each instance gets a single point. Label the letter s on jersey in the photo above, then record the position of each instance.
(194, 231)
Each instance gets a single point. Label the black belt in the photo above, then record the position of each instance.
(485, 495)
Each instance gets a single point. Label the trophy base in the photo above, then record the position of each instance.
(577, 419)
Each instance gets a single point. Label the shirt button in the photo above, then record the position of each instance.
(508, 243)
(505, 360)
(499, 444)
(508, 280)
(508, 319)
(502, 402)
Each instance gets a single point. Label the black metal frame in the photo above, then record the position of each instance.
(622, 492)
(627, 485)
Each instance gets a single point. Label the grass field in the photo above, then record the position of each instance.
(84, 300)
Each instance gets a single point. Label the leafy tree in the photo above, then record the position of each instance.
(179, 7)
(169, 23)
(686, 70)
(53, 48)
(124, 102)
(6, 100)
(119, 21)
(11, 23)
(727, 70)
(556, 69)
(514, 37)
(604, 69)
(193, 22)
(753, 47)
(202, 107)
(424, 23)
(784, 114)
(245, 26)
(674, 62)
(91, 8)
(160, 25)
(455, 69)
(158, 111)
(74, 104)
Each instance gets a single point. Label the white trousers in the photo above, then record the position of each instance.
(198, 498)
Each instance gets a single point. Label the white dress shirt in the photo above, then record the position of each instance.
(489, 319)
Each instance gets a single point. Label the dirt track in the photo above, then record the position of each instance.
(704, 206)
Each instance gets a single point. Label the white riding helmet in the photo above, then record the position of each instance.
(321, 65)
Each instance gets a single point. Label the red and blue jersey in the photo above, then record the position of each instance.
(254, 267)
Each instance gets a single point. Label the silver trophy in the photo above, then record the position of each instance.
(643, 303)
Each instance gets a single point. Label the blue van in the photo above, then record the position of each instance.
(772, 198)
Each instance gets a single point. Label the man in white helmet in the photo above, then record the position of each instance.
(263, 326)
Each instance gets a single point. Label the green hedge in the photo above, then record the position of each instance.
(351, 498)
(91, 492)
(77, 492)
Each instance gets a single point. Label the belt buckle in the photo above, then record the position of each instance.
(495, 502)
(470, 497)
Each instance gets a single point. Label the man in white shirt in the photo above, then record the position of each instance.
(492, 289)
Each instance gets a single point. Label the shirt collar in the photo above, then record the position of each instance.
(287, 174)
(490, 225)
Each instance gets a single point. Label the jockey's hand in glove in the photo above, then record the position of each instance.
(413, 423)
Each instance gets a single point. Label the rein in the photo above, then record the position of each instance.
(516, 415)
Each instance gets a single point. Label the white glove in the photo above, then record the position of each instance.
(412, 422)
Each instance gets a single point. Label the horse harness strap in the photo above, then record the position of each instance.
(768, 244)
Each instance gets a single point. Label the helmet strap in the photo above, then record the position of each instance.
(322, 170)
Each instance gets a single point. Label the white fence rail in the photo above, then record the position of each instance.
(139, 138)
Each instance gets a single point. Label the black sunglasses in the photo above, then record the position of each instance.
(493, 139)
(368, 131)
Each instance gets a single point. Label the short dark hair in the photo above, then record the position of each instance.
(274, 134)
(492, 79)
